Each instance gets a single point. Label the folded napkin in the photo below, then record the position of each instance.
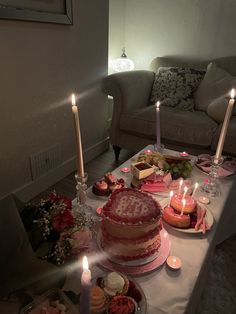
(227, 168)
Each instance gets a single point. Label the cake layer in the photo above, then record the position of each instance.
(120, 230)
(132, 207)
(131, 250)
(177, 203)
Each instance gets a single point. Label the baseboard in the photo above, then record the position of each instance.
(33, 188)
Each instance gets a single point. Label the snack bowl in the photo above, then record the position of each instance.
(141, 169)
(54, 298)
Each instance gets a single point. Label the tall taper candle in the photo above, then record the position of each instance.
(158, 129)
(80, 162)
(224, 128)
(85, 288)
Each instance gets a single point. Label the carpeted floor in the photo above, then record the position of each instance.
(219, 295)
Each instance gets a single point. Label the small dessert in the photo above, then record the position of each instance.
(101, 188)
(107, 185)
(177, 203)
(115, 283)
(175, 219)
(97, 301)
(121, 304)
(110, 178)
(117, 185)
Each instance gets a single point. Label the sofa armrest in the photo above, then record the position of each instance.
(130, 90)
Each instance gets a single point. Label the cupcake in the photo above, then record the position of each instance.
(115, 283)
(122, 304)
(101, 188)
(97, 300)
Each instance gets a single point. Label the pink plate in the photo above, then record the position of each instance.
(144, 268)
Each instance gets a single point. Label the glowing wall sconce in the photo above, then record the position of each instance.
(123, 63)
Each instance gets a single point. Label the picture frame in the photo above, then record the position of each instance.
(38, 13)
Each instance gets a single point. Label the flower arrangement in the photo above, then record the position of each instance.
(56, 231)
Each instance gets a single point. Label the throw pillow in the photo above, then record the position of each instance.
(216, 84)
(174, 86)
(217, 109)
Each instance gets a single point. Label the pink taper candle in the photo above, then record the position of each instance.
(224, 128)
(80, 162)
(85, 288)
(158, 130)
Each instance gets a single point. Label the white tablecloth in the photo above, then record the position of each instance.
(179, 291)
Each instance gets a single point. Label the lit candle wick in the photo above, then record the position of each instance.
(185, 192)
(180, 185)
(195, 189)
(171, 195)
(184, 204)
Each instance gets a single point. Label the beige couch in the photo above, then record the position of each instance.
(134, 122)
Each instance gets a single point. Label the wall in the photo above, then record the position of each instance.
(41, 65)
(197, 29)
(117, 11)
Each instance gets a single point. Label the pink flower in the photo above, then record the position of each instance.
(81, 240)
(62, 220)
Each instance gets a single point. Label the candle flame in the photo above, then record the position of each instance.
(185, 189)
(171, 194)
(85, 263)
(232, 94)
(184, 203)
(158, 104)
(196, 185)
(73, 100)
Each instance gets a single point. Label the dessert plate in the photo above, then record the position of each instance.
(139, 269)
(209, 219)
(142, 304)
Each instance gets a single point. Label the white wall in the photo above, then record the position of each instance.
(41, 65)
(117, 12)
(197, 29)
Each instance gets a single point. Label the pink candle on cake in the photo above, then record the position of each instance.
(184, 204)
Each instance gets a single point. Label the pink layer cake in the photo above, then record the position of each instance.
(131, 225)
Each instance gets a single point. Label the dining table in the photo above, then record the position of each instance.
(177, 291)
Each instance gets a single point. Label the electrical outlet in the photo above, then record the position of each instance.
(44, 161)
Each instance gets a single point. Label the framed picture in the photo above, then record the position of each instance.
(46, 11)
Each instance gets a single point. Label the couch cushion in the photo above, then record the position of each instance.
(176, 125)
(216, 83)
(174, 86)
(217, 109)
(230, 143)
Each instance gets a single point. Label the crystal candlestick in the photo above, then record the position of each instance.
(81, 194)
(81, 188)
(211, 186)
(159, 149)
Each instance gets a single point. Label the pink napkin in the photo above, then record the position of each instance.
(227, 168)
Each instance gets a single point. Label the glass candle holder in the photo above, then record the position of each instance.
(211, 185)
(81, 188)
(159, 149)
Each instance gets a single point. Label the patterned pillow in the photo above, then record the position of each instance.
(174, 86)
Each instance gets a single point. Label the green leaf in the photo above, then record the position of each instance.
(44, 249)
